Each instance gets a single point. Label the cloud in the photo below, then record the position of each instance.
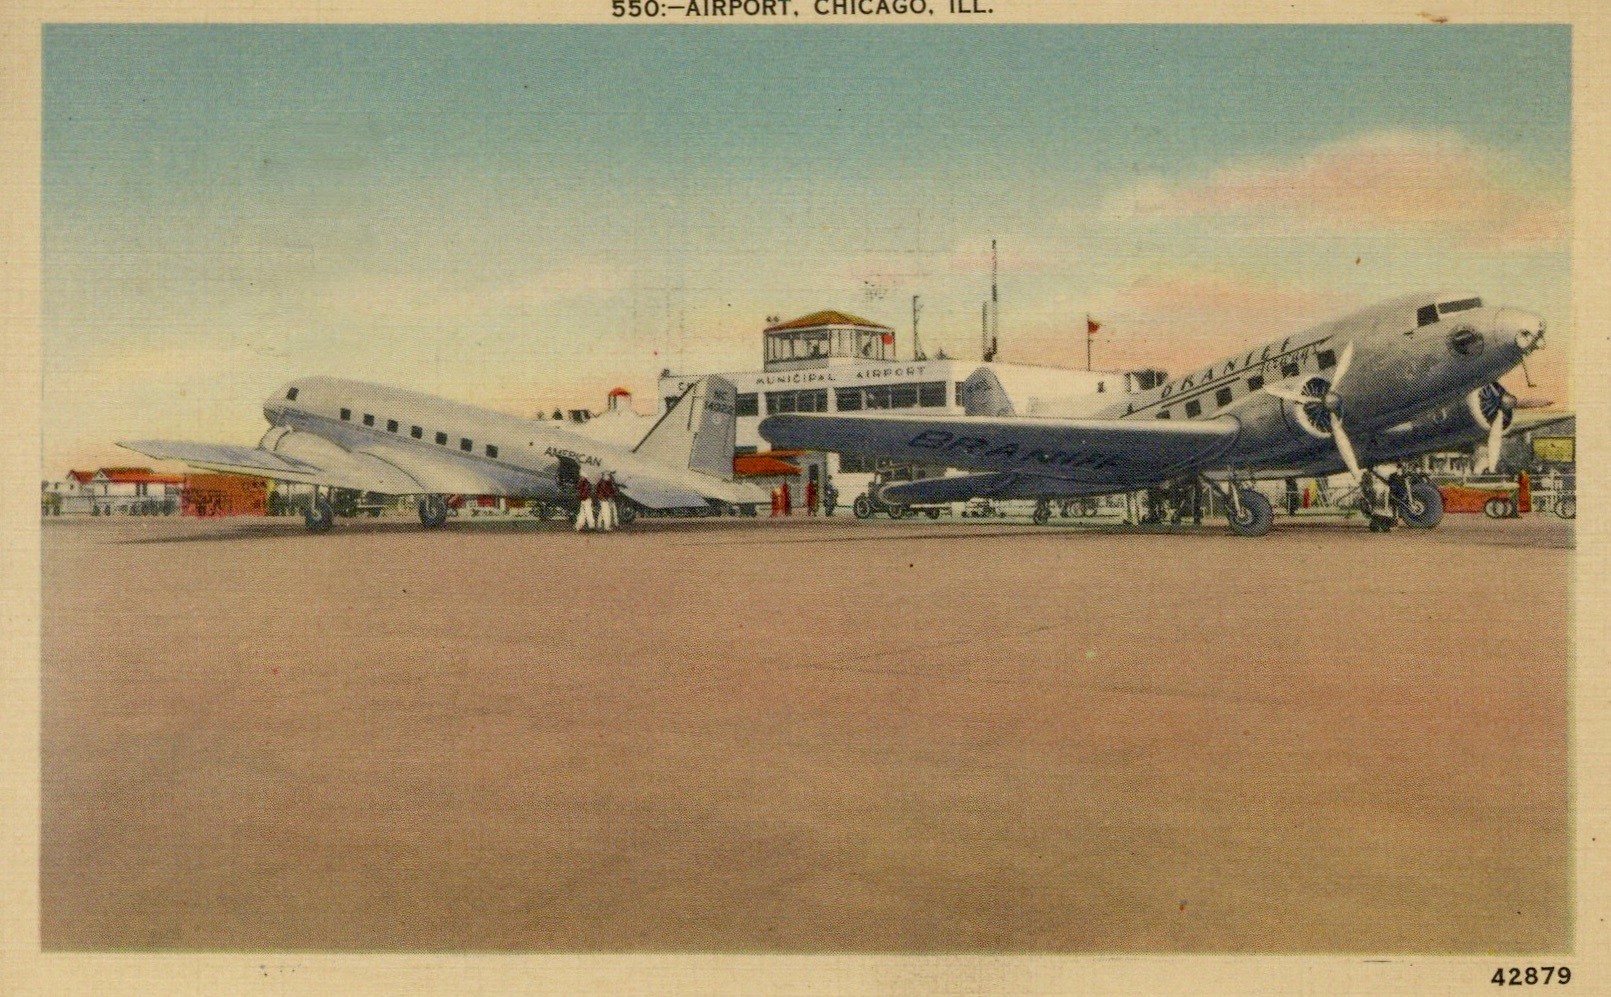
(1395, 182)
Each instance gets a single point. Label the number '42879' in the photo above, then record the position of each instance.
(1528, 976)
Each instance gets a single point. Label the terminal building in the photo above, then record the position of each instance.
(832, 361)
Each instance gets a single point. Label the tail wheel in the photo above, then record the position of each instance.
(1425, 508)
(864, 507)
(320, 517)
(1254, 516)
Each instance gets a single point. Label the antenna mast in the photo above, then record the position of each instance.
(917, 344)
(992, 313)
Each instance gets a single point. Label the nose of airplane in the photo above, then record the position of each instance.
(1524, 329)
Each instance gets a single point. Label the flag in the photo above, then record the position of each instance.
(1091, 325)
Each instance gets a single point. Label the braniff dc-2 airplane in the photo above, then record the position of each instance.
(334, 433)
(1401, 378)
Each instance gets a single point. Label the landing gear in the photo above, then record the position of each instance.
(1424, 509)
(433, 511)
(320, 515)
(1250, 514)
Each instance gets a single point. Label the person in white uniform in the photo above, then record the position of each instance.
(584, 509)
(606, 493)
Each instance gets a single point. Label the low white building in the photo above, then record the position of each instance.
(831, 361)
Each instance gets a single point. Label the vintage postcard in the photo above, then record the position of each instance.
(855, 495)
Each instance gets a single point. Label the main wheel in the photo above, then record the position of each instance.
(433, 511)
(1043, 513)
(1254, 517)
(1425, 509)
(864, 507)
(626, 512)
(1566, 507)
(320, 516)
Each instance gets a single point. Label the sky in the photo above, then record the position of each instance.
(526, 216)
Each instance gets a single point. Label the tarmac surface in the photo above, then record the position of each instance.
(742, 735)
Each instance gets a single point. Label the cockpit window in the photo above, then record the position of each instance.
(1464, 304)
(290, 396)
(1426, 315)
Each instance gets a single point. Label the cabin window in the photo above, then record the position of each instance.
(1222, 396)
(1464, 304)
(1255, 382)
(441, 439)
(290, 396)
(748, 404)
(465, 444)
(417, 432)
(369, 420)
(346, 414)
(391, 425)
(1194, 408)
(1426, 315)
(492, 450)
(1327, 358)
(1163, 413)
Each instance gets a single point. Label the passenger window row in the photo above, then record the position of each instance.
(418, 433)
(1327, 359)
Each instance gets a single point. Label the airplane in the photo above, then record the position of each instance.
(336, 433)
(1404, 377)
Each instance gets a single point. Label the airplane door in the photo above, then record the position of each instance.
(569, 473)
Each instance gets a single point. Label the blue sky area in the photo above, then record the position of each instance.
(526, 216)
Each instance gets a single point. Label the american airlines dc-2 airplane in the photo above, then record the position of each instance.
(333, 433)
(1404, 377)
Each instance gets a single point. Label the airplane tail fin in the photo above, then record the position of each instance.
(982, 394)
(698, 431)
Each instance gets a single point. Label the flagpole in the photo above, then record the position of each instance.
(1088, 338)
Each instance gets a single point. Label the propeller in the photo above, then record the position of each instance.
(1323, 408)
(1493, 405)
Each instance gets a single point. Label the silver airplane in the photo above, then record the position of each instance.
(1404, 377)
(333, 433)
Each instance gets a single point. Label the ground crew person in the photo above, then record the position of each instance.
(606, 492)
(584, 510)
(811, 498)
(788, 500)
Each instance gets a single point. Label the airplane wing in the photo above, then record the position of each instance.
(1092, 452)
(303, 458)
(340, 469)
